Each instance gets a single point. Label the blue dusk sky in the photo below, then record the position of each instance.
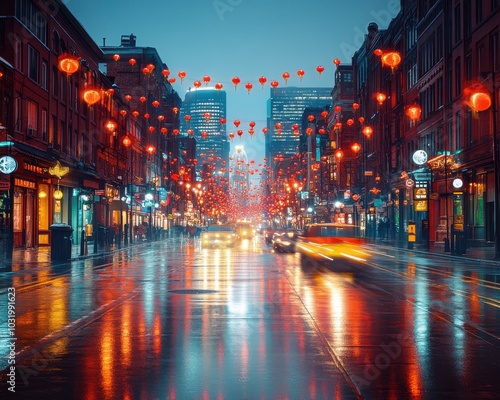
(244, 38)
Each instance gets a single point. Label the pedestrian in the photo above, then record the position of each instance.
(380, 228)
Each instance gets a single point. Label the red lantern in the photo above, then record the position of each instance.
(207, 116)
(264, 130)
(204, 135)
(68, 63)
(172, 80)
(135, 113)
(367, 131)
(286, 76)
(392, 59)
(190, 132)
(413, 112)
(110, 126)
(116, 57)
(231, 135)
(378, 52)
(176, 131)
(91, 96)
(218, 86)
(274, 84)
(262, 81)
(480, 101)
(128, 97)
(126, 141)
(142, 99)
(145, 71)
(278, 125)
(206, 79)
(301, 73)
(251, 124)
(310, 118)
(175, 110)
(197, 84)
(309, 131)
(321, 131)
(222, 121)
(236, 81)
(320, 69)
(248, 87)
(164, 130)
(324, 114)
(132, 62)
(350, 121)
(337, 109)
(380, 97)
(146, 115)
(336, 61)
(161, 117)
(155, 103)
(151, 129)
(150, 67)
(239, 132)
(123, 112)
(355, 106)
(236, 123)
(165, 73)
(295, 126)
(187, 118)
(296, 132)
(361, 120)
(181, 75)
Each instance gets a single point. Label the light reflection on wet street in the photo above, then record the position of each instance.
(170, 320)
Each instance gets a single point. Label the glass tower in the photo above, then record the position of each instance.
(285, 108)
(200, 117)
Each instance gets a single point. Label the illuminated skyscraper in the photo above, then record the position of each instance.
(285, 108)
(200, 116)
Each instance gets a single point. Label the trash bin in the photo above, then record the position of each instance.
(60, 242)
(102, 235)
(458, 242)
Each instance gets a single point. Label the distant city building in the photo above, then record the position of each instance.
(239, 176)
(201, 114)
(285, 108)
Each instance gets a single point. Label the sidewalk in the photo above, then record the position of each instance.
(42, 254)
(480, 253)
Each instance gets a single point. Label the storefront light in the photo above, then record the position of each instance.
(58, 195)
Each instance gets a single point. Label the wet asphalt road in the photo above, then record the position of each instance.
(169, 320)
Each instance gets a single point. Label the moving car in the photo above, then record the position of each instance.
(336, 245)
(218, 235)
(268, 235)
(245, 230)
(284, 240)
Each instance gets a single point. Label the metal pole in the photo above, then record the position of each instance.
(496, 160)
(447, 238)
